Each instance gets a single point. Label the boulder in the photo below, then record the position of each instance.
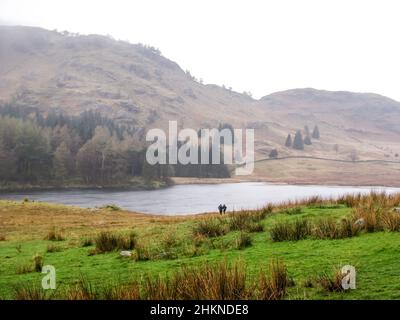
(125, 253)
(359, 222)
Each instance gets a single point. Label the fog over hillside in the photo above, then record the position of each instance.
(136, 84)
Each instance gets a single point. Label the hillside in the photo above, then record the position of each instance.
(135, 84)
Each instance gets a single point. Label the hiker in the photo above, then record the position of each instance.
(220, 208)
(224, 208)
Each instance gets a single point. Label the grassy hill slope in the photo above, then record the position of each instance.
(184, 244)
(131, 83)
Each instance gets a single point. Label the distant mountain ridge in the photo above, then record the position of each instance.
(135, 84)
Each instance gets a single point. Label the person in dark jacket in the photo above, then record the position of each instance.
(220, 208)
(224, 208)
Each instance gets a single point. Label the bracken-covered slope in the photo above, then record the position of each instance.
(136, 84)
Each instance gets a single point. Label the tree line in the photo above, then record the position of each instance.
(86, 149)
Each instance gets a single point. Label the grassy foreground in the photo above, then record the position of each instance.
(289, 252)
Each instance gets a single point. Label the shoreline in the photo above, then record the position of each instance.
(154, 185)
(189, 181)
(179, 181)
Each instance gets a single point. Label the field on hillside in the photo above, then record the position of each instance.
(313, 171)
(285, 252)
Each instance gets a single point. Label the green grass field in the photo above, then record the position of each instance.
(170, 244)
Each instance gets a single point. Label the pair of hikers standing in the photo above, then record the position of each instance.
(222, 208)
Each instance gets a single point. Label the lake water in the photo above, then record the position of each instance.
(194, 198)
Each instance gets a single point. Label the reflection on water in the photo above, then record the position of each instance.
(191, 199)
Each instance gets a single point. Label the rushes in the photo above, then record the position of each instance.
(28, 291)
(107, 242)
(293, 211)
(52, 248)
(142, 253)
(35, 266)
(331, 282)
(83, 290)
(54, 235)
(372, 216)
(37, 262)
(290, 231)
(247, 221)
(243, 240)
(87, 242)
(274, 285)
(222, 281)
(210, 227)
(122, 292)
(376, 212)
(392, 221)
(326, 228)
(217, 281)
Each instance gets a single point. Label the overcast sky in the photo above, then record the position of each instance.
(258, 46)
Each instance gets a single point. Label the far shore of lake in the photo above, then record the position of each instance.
(155, 185)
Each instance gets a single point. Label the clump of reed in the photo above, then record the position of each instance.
(247, 221)
(375, 210)
(34, 266)
(211, 281)
(331, 282)
(169, 244)
(273, 286)
(82, 290)
(107, 242)
(130, 291)
(210, 227)
(391, 221)
(53, 248)
(222, 281)
(290, 231)
(29, 291)
(378, 199)
(54, 235)
(328, 228)
(37, 262)
(324, 228)
(243, 240)
(293, 211)
(87, 242)
(142, 253)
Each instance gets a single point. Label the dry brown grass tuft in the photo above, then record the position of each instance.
(129, 291)
(54, 235)
(243, 240)
(53, 248)
(210, 227)
(329, 228)
(83, 290)
(28, 291)
(107, 242)
(331, 282)
(273, 286)
(391, 221)
(291, 231)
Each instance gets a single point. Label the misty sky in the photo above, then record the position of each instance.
(258, 46)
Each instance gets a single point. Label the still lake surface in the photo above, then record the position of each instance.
(193, 198)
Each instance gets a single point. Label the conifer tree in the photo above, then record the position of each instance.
(298, 141)
(315, 133)
(288, 142)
